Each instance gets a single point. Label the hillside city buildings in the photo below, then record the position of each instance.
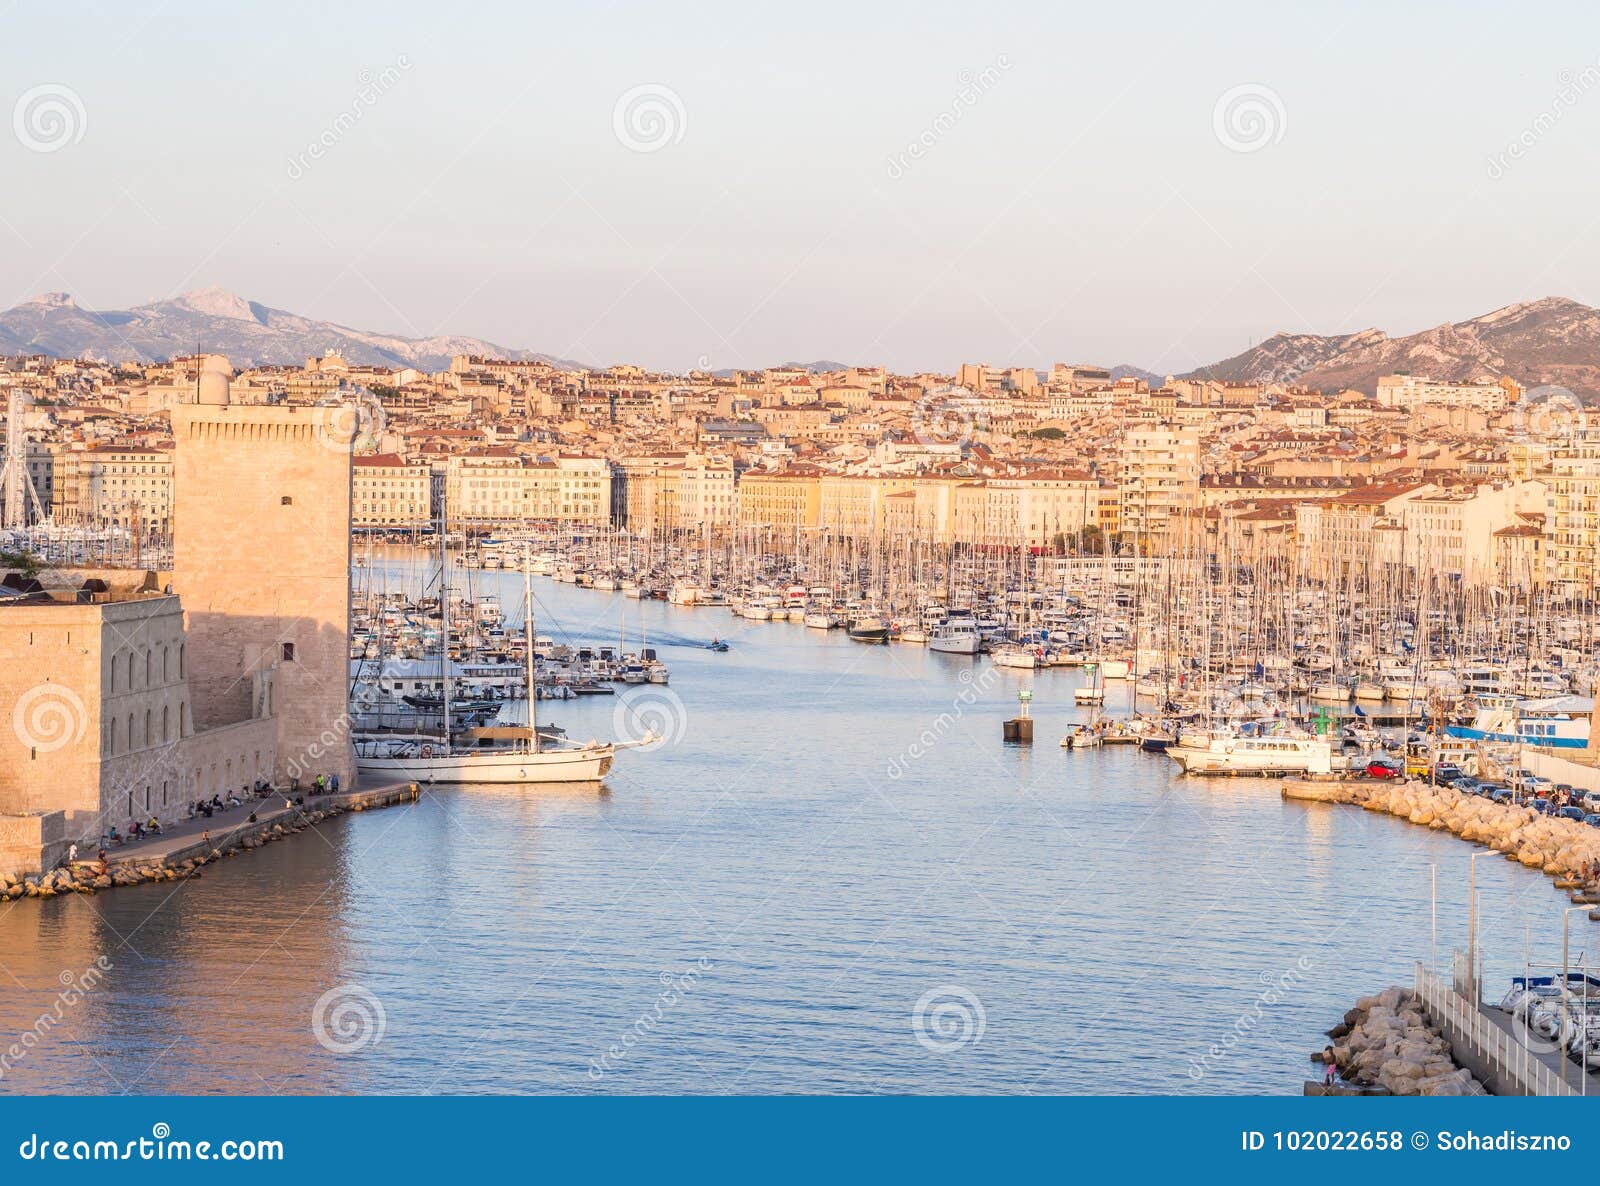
(1466, 479)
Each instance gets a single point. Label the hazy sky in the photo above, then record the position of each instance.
(1078, 193)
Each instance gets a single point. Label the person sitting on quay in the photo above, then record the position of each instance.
(116, 837)
(153, 827)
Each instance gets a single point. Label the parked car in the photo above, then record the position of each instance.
(1542, 806)
(1448, 773)
(1495, 791)
(1592, 819)
(1575, 813)
(1384, 768)
(1467, 786)
(1539, 786)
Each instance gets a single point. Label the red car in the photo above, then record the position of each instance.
(1384, 768)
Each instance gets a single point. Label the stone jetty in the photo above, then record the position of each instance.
(181, 857)
(1387, 1044)
(1565, 849)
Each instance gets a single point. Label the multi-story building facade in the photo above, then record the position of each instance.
(388, 491)
(1160, 481)
(501, 486)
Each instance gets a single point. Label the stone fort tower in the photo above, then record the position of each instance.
(261, 562)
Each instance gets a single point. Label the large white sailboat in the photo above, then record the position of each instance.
(502, 755)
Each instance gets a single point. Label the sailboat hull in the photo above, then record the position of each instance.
(589, 764)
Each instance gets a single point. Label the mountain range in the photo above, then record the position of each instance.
(217, 321)
(1549, 341)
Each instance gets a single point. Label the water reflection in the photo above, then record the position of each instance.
(1112, 922)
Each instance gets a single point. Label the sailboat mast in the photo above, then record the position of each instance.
(527, 632)
(444, 623)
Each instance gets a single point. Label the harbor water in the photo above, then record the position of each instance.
(830, 876)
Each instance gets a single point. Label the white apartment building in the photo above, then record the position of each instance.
(386, 491)
(1490, 396)
(499, 486)
(1160, 479)
(707, 494)
(1574, 525)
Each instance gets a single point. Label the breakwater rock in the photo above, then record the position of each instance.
(1563, 848)
(188, 854)
(1387, 1042)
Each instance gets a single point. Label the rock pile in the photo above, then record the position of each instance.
(1563, 848)
(1388, 1042)
(86, 877)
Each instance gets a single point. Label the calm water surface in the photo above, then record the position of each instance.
(832, 834)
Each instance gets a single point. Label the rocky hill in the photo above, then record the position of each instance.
(219, 322)
(1554, 340)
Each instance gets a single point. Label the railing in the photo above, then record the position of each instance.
(1514, 1063)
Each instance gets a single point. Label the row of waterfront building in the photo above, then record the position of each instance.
(1468, 479)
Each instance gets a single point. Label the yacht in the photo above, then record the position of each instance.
(1228, 751)
(1561, 722)
(1018, 657)
(869, 628)
(958, 636)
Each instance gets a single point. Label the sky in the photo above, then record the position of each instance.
(735, 184)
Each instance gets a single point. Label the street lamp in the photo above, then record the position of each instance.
(1472, 920)
(1583, 1039)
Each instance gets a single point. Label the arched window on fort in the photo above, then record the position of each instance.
(149, 668)
(183, 720)
(113, 675)
(166, 664)
(182, 648)
(146, 737)
(130, 724)
(166, 726)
